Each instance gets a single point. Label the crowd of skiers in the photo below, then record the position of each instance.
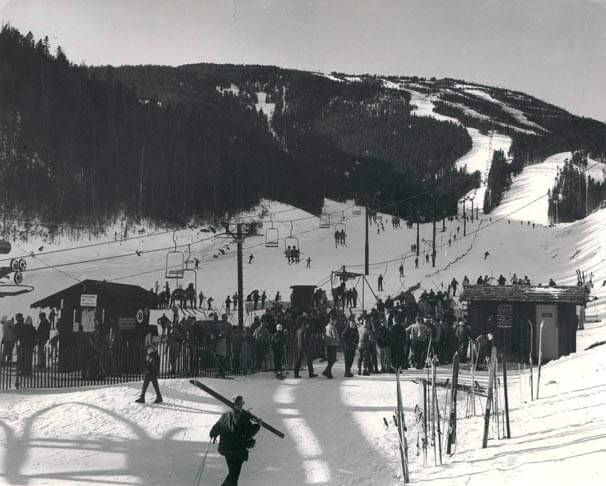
(20, 335)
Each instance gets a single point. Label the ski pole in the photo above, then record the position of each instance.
(520, 381)
(198, 477)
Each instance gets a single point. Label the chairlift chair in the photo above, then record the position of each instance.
(175, 262)
(324, 219)
(291, 242)
(272, 237)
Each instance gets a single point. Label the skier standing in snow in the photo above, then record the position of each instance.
(380, 283)
(462, 335)
(401, 269)
(278, 344)
(305, 340)
(418, 335)
(331, 341)
(152, 370)
(350, 343)
(43, 334)
(364, 348)
(236, 430)
(228, 304)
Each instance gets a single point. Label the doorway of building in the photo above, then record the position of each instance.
(548, 314)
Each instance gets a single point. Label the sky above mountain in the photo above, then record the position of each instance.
(553, 49)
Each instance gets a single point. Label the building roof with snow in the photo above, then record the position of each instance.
(111, 290)
(523, 293)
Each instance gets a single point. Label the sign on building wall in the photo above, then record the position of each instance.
(88, 300)
(504, 315)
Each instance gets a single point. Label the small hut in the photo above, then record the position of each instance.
(110, 303)
(513, 315)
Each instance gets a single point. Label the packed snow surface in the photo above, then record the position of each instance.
(517, 114)
(527, 199)
(334, 428)
(334, 431)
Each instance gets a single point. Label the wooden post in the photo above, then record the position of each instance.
(540, 356)
(436, 409)
(425, 442)
(508, 431)
(531, 331)
(491, 377)
(240, 278)
(365, 241)
(452, 423)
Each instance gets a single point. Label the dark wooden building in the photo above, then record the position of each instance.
(511, 312)
(112, 304)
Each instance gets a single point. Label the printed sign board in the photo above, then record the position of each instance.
(88, 300)
(126, 322)
(504, 315)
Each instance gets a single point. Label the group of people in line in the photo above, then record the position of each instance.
(20, 335)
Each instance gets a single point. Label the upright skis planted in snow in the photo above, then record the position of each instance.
(230, 404)
(452, 422)
(491, 380)
(402, 430)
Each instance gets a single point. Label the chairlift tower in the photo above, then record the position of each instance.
(239, 238)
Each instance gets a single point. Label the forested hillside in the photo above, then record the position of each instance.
(81, 143)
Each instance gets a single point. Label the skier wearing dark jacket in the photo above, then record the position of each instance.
(43, 333)
(399, 345)
(305, 341)
(236, 430)
(278, 344)
(350, 343)
(152, 370)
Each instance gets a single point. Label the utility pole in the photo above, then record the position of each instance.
(464, 218)
(366, 238)
(433, 245)
(240, 279)
(239, 239)
(472, 210)
(418, 238)
(586, 193)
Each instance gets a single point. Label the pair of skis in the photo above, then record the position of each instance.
(230, 404)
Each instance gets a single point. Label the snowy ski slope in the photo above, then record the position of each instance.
(334, 429)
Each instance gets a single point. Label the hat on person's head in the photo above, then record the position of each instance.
(238, 400)
(18, 315)
(42, 315)
(279, 327)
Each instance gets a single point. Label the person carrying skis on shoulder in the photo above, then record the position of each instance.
(235, 430)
